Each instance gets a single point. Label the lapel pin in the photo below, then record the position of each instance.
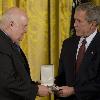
(92, 52)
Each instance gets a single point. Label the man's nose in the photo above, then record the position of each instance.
(75, 24)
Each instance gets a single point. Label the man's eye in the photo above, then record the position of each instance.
(78, 20)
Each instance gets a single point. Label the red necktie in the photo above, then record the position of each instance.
(80, 55)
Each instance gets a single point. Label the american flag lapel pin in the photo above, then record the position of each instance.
(92, 52)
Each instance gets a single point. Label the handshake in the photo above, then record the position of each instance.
(47, 84)
(46, 90)
(63, 91)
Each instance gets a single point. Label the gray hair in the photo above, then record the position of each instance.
(92, 11)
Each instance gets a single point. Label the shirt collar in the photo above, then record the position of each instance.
(89, 38)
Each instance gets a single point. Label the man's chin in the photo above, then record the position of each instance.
(78, 34)
(20, 39)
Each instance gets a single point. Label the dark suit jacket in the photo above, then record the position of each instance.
(87, 81)
(15, 80)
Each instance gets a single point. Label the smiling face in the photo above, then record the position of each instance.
(82, 26)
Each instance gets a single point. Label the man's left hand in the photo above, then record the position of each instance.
(65, 91)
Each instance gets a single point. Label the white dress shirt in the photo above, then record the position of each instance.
(88, 40)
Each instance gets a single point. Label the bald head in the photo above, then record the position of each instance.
(14, 23)
(14, 13)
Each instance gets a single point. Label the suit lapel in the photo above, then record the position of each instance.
(19, 63)
(89, 66)
(93, 45)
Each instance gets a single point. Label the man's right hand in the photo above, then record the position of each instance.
(43, 90)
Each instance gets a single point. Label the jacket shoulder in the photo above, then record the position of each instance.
(5, 48)
(71, 40)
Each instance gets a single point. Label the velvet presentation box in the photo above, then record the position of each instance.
(47, 75)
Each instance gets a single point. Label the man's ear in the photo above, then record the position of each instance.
(12, 23)
(93, 24)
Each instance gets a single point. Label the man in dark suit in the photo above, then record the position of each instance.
(83, 83)
(15, 80)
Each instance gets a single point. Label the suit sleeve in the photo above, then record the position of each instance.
(60, 79)
(13, 83)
